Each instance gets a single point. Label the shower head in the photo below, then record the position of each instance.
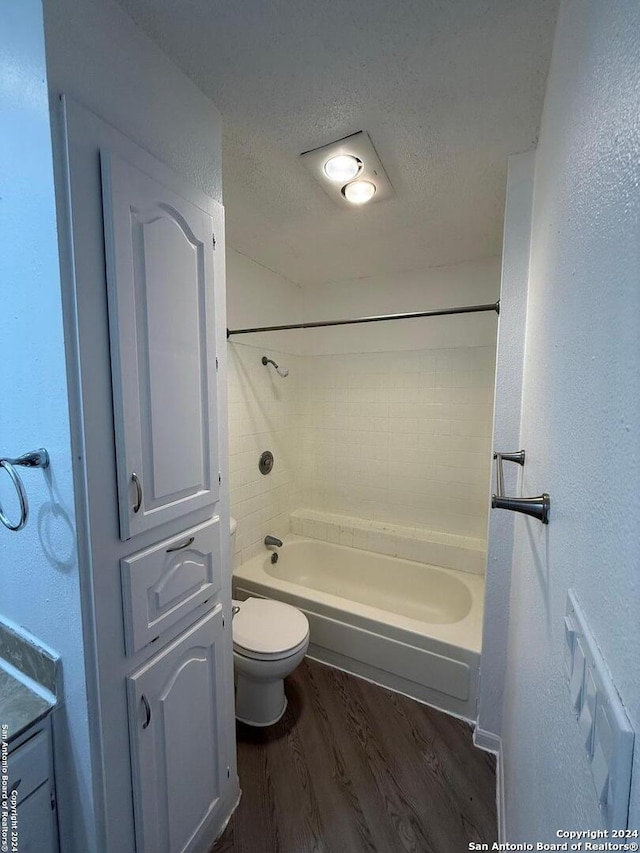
(282, 371)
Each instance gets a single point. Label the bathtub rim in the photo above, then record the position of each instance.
(464, 635)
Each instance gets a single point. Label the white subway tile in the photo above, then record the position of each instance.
(364, 434)
(346, 537)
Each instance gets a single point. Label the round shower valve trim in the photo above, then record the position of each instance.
(266, 462)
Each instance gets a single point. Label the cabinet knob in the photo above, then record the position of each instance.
(138, 484)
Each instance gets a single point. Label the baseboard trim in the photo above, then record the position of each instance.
(321, 658)
(487, 741)
(493, 743)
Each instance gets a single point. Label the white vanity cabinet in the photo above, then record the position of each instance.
(30, 774)
(176, 702)
(161, 273)
(36, 821)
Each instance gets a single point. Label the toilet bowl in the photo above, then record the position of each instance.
(270, 639)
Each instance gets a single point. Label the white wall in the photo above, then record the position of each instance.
(506, 437)
(580, 415)
(256, 296)
(473, 283)
(39, 570)
(96, 55)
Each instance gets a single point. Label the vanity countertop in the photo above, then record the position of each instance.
(20, 706)
(28, 680)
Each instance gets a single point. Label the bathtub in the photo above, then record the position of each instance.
(405, 625)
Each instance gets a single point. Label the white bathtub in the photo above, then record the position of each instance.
(408, 626)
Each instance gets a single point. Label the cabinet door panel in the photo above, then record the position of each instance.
(178, 752)
(172, 413)
(37, 831)
(160, 271)
(29, 765)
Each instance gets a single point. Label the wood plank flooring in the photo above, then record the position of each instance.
(355, 768)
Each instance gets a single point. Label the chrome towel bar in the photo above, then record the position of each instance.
(537, 507)
(32, 459)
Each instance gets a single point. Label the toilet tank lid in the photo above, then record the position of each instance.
(233, 525)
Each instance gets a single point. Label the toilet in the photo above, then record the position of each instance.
(270, 639)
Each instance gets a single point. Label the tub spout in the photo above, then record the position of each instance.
(272, 540)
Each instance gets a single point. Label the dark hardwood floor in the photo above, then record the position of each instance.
(352, 767)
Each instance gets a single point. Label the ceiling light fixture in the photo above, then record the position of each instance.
(359, 192)
(343, 167)
(349, 170)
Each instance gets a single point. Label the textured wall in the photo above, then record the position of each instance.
(446, 90)
(39, 571)
(506, 436)
(96, 55)
(580, 415)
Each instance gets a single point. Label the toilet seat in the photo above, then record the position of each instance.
(268, 630)
(253, 655)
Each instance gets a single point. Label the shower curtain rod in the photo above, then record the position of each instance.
(467, 309)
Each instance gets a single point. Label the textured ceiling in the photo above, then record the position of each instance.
(447, 89)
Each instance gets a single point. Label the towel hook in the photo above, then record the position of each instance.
(32, 459)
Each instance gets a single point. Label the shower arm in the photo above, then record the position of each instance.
(537, 507)
(281, 371)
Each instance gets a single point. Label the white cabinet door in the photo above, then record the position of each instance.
(37, 832)
(176, 709)
(161, 265)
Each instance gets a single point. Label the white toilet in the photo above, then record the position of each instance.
(270, 639)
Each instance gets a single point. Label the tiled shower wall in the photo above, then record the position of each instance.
(262, 416)
(399, 437)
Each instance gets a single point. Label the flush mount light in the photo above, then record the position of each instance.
(359, 192)
(349, 170)
(343, 167)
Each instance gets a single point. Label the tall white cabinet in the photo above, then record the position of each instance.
(147, 261)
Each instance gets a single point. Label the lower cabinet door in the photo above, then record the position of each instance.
(37, 831)
(176, 704)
